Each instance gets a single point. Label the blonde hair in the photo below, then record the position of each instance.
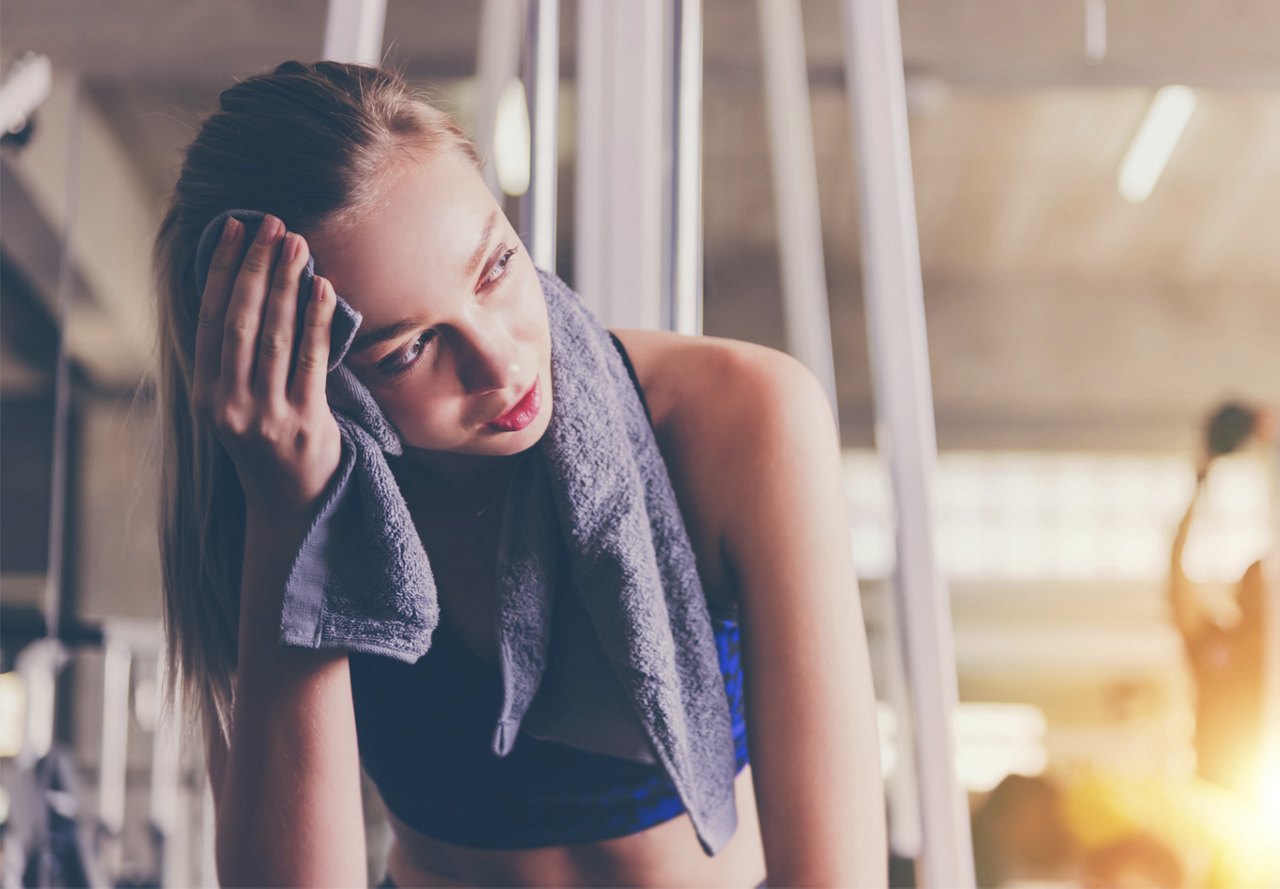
(312, 144)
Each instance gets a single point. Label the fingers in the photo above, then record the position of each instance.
(275, 342)
(313, 351)
(246, 340)
(213, 307)
(244, 311)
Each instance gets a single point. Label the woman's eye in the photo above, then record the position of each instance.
(500, 267)
(402, 361)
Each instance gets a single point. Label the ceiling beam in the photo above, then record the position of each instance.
(109, 328)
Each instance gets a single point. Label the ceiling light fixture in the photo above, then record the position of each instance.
(511, 139)
(28, 84)
(1154, 143)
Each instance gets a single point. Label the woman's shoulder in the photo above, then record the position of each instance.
(725, 411)
(716, 387)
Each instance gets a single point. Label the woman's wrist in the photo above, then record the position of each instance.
(270, 546)
(280, 529)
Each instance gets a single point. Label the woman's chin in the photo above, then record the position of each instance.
(507, 446)
(499, 441)
(508, 443)
(488, 442)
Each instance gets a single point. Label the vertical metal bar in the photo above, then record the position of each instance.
(170, 829)
(542, 89)
(795, 189)
(54, 580)
(641, 176)
(353, 31)
(622, 185)
(113, 758)
(903, 791)
(1095, 31)
(497, 64)
(685, 315)
(591, 185)
(208, 835)
(39, 664)
(894, 297)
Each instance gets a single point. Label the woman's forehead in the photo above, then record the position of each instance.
(423, 236)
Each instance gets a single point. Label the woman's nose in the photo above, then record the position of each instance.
(489, 359)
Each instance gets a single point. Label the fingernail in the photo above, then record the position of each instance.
(291, 245)
(268, 230)
(229, 229)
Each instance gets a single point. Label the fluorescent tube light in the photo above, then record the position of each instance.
(511, 140)
(1154, 143)
(29, 84)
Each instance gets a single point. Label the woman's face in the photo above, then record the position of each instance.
(455, 325)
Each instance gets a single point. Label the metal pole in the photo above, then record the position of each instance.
(795, 189)
(591, 96)
(542, 89)
(894, 297)
(685, 315)
(62, 394)
(497, 64)
(171, 830)
(622, 185)
(208, 866)
(903, 789)
(353, 31)
(113, 765)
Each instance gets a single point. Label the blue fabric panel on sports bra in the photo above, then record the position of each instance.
(425, 733)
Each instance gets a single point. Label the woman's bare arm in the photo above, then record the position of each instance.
(287, 792)
(810, 703)
(287, 788)
(771, 441)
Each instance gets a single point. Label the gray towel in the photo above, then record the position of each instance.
(626, 665)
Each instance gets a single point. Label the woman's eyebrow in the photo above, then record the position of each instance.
(478, 255)
(366, 341)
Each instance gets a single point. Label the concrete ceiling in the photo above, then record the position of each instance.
(1059, 315)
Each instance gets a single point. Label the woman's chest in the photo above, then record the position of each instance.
(463, 552)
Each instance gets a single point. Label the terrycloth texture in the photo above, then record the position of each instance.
(627, 666)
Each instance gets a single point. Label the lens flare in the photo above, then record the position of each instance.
(1269, 795)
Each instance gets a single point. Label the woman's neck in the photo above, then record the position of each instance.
(471, 481)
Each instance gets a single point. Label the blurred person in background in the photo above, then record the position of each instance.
(1096, 828)
(1225, 657)
(1020, 834)
(1163, 830)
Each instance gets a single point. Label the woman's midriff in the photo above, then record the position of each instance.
(666, 854)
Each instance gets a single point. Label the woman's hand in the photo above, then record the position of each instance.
(268, 409)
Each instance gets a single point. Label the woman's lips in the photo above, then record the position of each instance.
(524, 412)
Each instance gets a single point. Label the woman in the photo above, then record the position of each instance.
(386, 192)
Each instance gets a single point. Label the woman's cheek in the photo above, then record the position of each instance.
(398, 407)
